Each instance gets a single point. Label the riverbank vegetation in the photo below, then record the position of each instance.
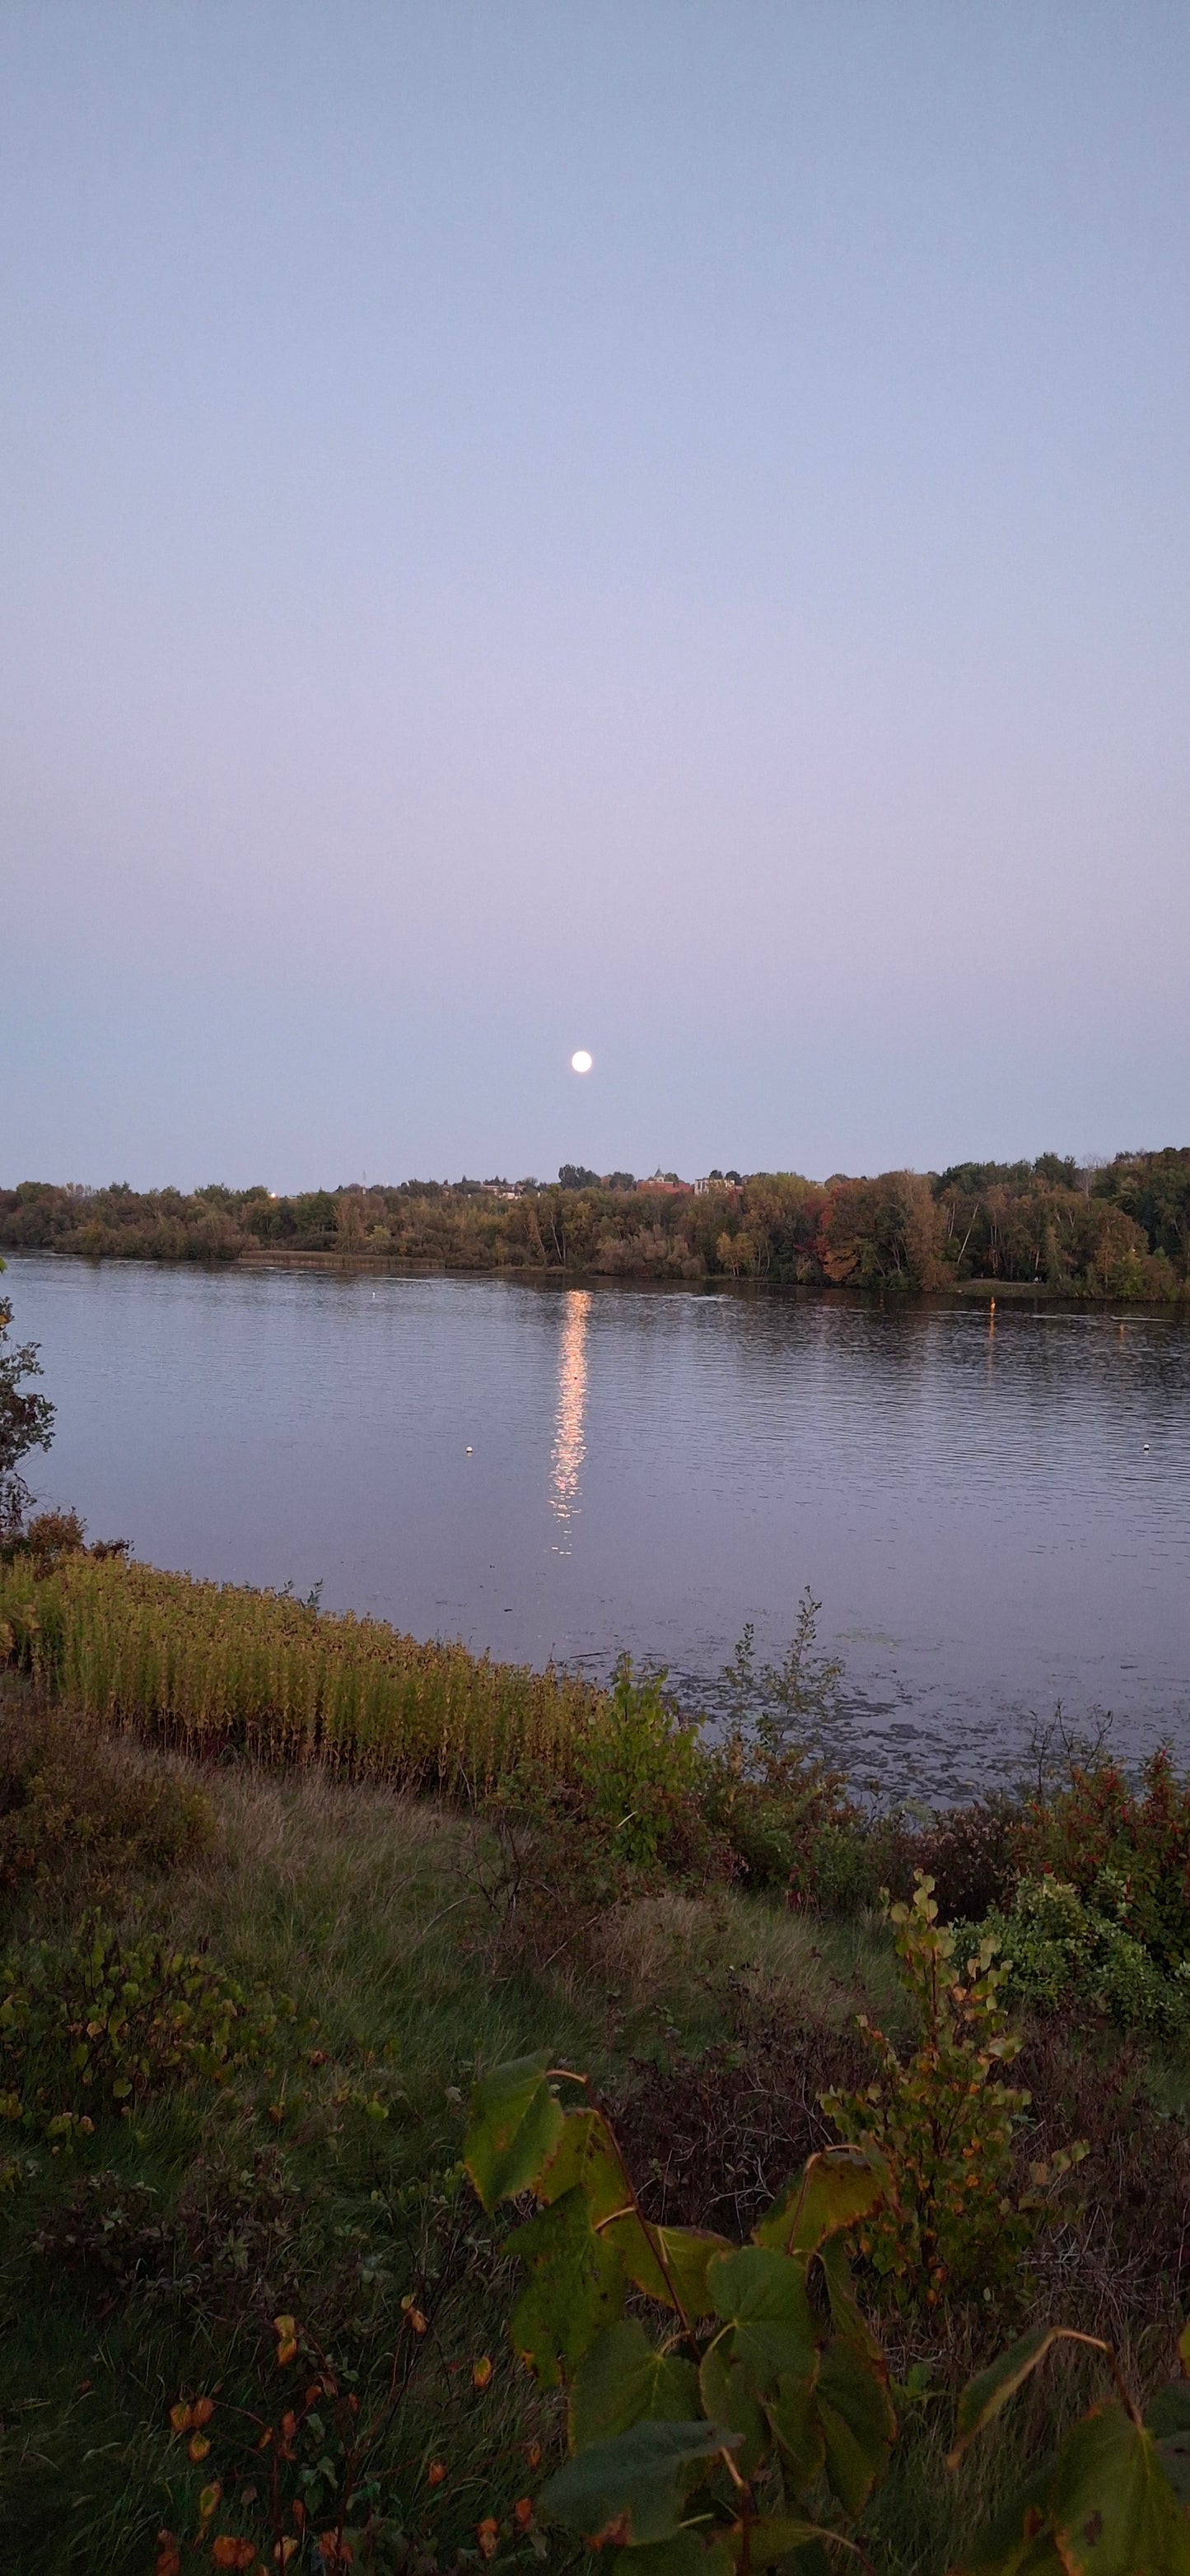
(277, 1889)
(1120, 1230)
(244, 2275)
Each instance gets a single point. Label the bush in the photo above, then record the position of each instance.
(99, 2022)
(640, 1770)
(80, 1813)
(1093, 1820)
(945, 2123)
(1058, 1951)
(971, 1853)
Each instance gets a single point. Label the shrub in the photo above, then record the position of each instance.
(738, 2417)
(945, 2121)
(971, 1853)
(1093, 1819)
(79, 1813)
(99, 2022)
(1058, 1951)
(769, 1788)
(639, 1766)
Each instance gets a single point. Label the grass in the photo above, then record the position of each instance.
(209, 1668)
(285, 2192)
(148, 2264)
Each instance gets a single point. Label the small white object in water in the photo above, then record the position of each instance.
(468, 1453)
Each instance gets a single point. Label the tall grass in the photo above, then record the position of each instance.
(209, 1667)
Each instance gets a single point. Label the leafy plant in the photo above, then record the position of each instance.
(740, 2412)
(1110, 2501)
(1059, 1950)
(100, 2022)
(1093, 1819)
(26, 1422)
(944, 2120)
(639, 1765)
(769, 1786)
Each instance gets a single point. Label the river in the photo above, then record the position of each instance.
(994, 1515)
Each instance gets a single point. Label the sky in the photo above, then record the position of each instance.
(646, 525)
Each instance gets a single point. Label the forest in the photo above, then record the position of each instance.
(1120, 1229)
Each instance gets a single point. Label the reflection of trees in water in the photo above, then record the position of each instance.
(569, 1445)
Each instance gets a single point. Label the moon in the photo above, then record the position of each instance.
(580, 1061)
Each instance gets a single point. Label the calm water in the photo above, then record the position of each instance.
(994, 1520)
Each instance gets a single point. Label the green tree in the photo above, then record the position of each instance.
(26, 1421)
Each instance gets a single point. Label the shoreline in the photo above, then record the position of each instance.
(960, 1292)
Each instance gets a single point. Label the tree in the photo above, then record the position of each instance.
(26, 1422)
(575, 1176)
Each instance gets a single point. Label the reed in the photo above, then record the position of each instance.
(211, 1667)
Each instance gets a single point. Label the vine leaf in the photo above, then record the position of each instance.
(728, 2399)
(631, 2490)
(576, 2287)
(624, 2380)
(584, 2155)
(1103, 2507)
(516, 2124)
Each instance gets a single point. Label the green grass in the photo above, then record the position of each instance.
(363, 1904)
(360, 1904)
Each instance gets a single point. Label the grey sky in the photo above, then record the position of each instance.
(661, 527)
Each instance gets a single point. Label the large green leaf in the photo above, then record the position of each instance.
(857, 2419)
(585, 2155)
(984, 2395)
(762, 2294)
(679, 2278)
(575, 2290)
(845, 2315)
(631, 2490)
(515, 2127)
(728, 2399)
(836, 2188)
(1102, 2507)
(1168, 2420)
(793, 2414)
(624, 2380)
(668, 2263)
(1114, 2511)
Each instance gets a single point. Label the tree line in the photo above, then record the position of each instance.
(1118, 1230)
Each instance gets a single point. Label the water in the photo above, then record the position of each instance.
(995, 1519)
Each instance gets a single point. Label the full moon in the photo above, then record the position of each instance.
(580, 1062)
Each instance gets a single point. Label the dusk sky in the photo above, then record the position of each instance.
(647, 526)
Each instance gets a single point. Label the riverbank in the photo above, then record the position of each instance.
(1120, 1231)
(355, 1957)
